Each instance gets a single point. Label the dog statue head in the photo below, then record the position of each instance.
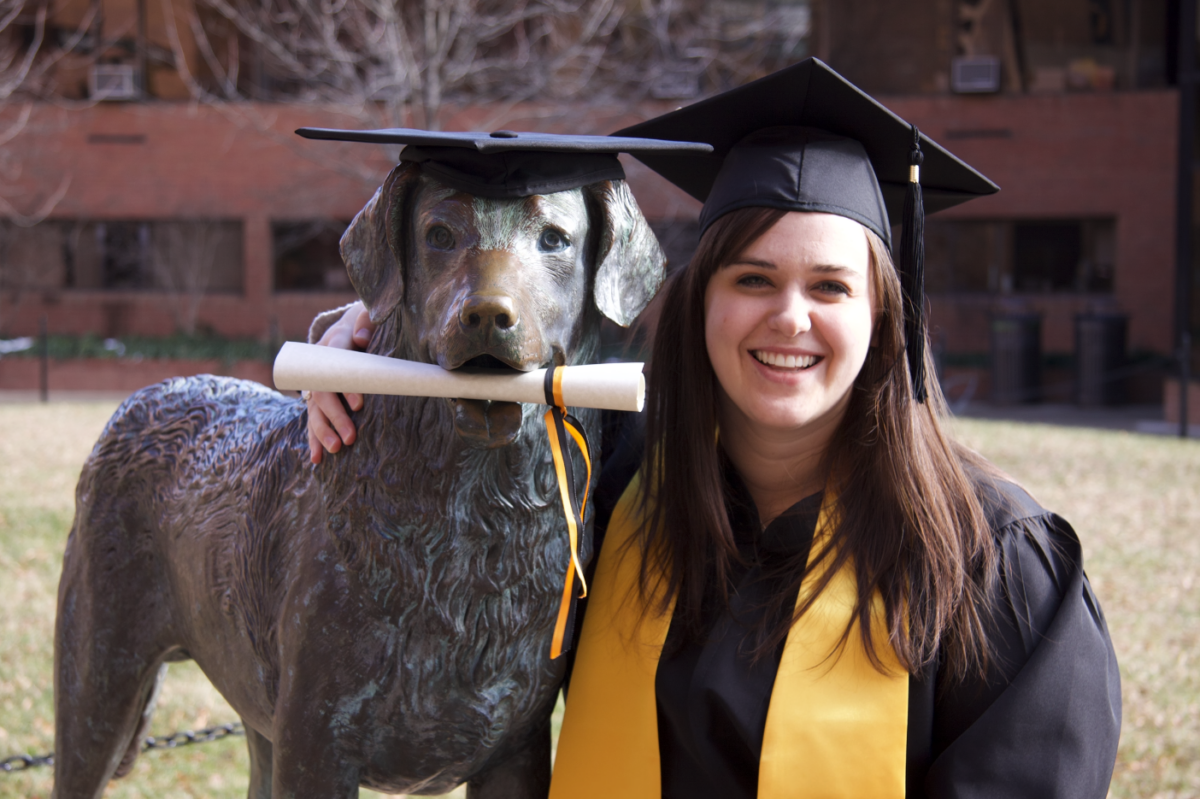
(514, 283)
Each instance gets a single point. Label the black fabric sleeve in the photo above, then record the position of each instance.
(620, 458)
(1046, 720)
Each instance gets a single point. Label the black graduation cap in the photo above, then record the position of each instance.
(506, 164)
(806, 139)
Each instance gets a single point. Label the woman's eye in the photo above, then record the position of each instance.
(752, 281)
(552, 241)
(833, 288)
(440, 237)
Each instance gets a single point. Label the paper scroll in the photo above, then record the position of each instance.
(612, 386)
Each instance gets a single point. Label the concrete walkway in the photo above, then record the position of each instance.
(1146, 419)
(14, 396)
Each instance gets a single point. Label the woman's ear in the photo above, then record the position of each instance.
(629, 262)
(374, 246)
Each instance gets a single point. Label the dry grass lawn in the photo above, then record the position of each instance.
(1135, 501)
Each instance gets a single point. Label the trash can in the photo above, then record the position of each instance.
(1100, 357)
(1016, 358)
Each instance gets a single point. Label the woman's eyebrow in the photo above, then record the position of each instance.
(824, 269)
(835, 269)
(751, 262)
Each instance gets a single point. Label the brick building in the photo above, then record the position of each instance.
(1066, 104)
(1069, 106)
(230, 196)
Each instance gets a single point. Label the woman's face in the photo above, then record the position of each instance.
(789, 322)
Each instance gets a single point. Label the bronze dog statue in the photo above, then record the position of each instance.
(383, 619)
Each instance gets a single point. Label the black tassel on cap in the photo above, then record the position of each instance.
(912, 269)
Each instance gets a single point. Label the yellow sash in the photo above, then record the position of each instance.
(836, 726)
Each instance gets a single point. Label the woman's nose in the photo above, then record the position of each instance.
(792, 317)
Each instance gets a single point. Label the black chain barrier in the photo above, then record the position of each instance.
(173, 741)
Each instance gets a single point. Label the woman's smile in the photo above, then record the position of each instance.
(779, 360)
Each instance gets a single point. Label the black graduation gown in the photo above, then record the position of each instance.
(1045, 721)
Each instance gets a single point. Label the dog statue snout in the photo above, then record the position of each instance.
(489, 304)
(491, 309)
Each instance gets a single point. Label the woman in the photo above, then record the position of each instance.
(807, 589)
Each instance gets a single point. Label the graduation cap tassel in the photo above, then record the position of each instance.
(912, 269)
(560, 424)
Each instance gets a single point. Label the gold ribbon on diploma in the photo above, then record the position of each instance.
(558, 424)
(837, 727)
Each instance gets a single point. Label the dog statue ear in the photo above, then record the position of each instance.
(373, 251)
(629, 262)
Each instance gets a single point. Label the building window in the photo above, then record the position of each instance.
(1025, 256)
(964, 256)
(182, 256)
(1087, 45)
(124, 255)
(307, 257)
(32, 258)
(1063, 256)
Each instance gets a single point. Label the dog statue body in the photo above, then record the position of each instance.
(383, 619)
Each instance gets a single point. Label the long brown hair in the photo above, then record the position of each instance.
(907, 513)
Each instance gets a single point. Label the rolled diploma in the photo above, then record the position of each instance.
(613, 386)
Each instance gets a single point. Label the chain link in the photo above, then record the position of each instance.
(172, 741)
(189, 737)
(22, 762)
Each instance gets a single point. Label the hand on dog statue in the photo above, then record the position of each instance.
(329, 426)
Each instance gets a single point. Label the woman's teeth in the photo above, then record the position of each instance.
(785, 361)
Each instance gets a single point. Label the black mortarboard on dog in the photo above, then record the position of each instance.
(806, 139)
(506, 164)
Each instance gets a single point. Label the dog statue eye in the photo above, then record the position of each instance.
(440, 237)
(552, 241)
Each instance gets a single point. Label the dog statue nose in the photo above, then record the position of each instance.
(497, 310)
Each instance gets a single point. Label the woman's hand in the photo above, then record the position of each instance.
(329, 426)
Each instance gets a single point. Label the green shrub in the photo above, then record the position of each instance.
(177, 346)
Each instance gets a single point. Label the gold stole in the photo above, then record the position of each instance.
(836, 726)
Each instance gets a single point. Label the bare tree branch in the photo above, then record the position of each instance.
(43, 210)
(182, 258)
(393, 62)
(13, 76)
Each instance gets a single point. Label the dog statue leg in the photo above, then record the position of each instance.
(525, 775)
(98, 730)
(307, 762)
(261, 754)
(327, 779)
(108, 656)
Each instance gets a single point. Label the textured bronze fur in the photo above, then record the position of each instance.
(383, 619)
